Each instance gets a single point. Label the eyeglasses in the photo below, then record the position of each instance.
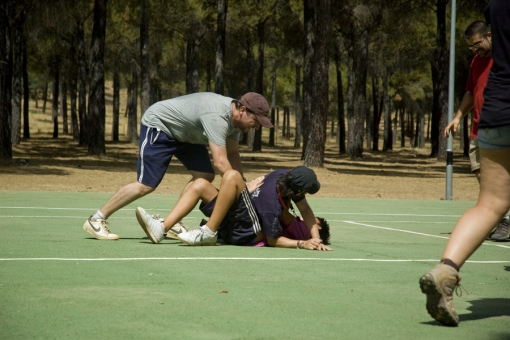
(476, 45)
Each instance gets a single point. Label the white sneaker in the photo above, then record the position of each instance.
(177, 229)
(199, 237)
(99, 229)
(152, 225)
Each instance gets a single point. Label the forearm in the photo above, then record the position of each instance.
(308, 217)
(282, 242)
(235, 162)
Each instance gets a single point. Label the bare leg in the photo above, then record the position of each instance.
(199, 189)
(493, 203)
(125, 195)
(232, 184)
(208, 176)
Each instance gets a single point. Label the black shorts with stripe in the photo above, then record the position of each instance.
(241, 224)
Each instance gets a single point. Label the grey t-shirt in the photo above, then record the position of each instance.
(194, 118)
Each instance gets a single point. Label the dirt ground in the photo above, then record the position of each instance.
(46, 164)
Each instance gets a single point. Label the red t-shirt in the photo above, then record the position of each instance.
(478, 75)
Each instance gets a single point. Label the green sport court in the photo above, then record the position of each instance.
(56, 282)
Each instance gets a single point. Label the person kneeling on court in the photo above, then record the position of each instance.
(243, 213)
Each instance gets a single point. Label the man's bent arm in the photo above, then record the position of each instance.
(220, 158)
(308, 217)
(233, 155)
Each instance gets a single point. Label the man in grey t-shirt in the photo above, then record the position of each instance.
(182, 127)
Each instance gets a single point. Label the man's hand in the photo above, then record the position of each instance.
(256, 183)
(315, 244)
(453, 125)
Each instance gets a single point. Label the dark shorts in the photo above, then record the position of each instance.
(241, 225)
(156, 151)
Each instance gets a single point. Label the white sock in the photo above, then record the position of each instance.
(98, 215)
(207, 230)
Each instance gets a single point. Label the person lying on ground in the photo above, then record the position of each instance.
(245, 213)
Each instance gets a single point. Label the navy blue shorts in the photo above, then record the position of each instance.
(241, 225)
(156, 151)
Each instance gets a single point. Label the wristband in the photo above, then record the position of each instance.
(299, 244)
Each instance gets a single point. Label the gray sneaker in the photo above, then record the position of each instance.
(439, 285)
(199, 237)
(99, 229)
(152, 225)
(177, 229)
(502, 231)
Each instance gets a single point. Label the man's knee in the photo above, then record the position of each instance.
(208, 176)
(232, 175)
(144, 189)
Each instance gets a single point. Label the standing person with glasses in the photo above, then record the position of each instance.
(182, 127)
(494, 199)
(479, 40)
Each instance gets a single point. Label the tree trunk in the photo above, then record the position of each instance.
(82, 82)
(116, 106)
(297, 105)
(402, 127)
(273, 105)
(132, 134)
(257, 141)
(359, 95)
(63, 106)
(314, 153)
(5, 83)
(45, 96)
(192, 76)
(74, 112)
(351, 122)
(340, 137)
(145, 95)
(388, 138)
(465, 151)
(377, 114)
(97, 115)
(26, 93)
(222, 6)
(17, 77)
(440, 115)
(308, 81)
(422, 125)
(54, 106)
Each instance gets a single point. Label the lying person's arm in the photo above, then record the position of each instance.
(284, 242)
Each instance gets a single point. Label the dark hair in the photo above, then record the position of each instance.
(324, 231)
(238, 105)
(476, 27)
(284, 184)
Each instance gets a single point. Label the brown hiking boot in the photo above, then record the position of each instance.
(502, 232)
(439, 284)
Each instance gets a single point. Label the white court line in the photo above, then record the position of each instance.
(79, 217)
(392, 221)
(225, 258)
(317, 213)
(417, 233)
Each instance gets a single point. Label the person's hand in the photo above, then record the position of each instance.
(315, 244)
(256, 183)
(453, 125)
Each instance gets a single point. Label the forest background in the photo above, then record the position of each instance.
(373, 75)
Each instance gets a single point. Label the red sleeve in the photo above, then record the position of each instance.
(470, 86)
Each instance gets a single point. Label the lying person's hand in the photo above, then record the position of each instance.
(256, 183)
(315, 244)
